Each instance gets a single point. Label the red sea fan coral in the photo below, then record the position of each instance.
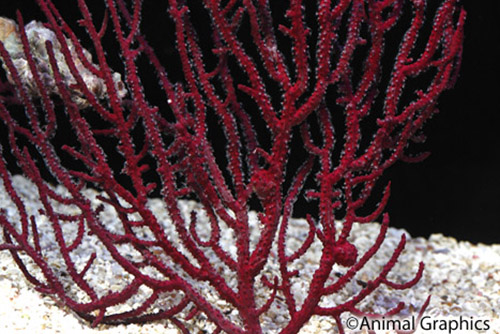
(311, 75)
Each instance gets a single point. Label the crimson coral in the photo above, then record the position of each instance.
(237, 91)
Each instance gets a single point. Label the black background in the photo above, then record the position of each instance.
(456, 191)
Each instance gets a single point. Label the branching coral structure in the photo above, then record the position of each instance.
(277, 80)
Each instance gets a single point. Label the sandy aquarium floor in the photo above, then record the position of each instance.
(463, 279)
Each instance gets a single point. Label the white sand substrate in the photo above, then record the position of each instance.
(463, 279)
